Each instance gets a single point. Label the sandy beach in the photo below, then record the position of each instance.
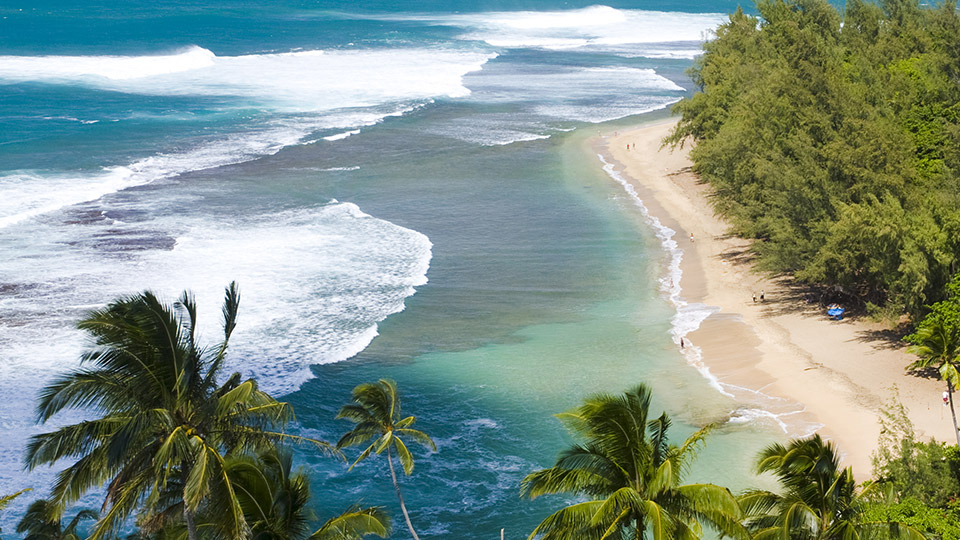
(781, 356)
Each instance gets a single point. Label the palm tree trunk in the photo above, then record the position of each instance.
(953, 413)
(191, 524)
(399, 496)
(188, 514)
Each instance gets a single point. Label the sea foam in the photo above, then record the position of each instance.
(290, 82)
(594, 26)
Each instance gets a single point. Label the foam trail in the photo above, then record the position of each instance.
(343, 135)
(673, 54)
(28, 194)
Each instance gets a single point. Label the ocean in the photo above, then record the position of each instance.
(401, 189)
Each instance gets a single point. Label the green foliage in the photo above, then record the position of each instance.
(631, 476)
(836, 146)
(940, 523)
(927, 472)
(819, 501)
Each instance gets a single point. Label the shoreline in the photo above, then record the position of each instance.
(782, 360)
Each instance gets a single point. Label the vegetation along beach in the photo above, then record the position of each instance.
(330, 270)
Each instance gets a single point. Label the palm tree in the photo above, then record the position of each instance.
(43, 521)
(937, 343)
(274, 500)
(165, 424)
(376, 411)
(631, 477)
(819, 501)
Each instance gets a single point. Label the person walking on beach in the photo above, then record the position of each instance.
(691, 237)
(761, 295)
(754, 298)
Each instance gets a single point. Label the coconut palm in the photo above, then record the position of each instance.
(164, 423)
(820, 501)
(274, 500)
(376, 411)
(937, 344)
(43, 521)
(631, 477)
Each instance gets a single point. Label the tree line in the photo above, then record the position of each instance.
(834, 141)
(185, 455)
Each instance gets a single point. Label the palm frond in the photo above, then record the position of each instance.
(357, 414)
(574, 522)
(355, 523)
(658, 519)
(562, 480)
(363, 455)
(417, 436)
(403, 454)
(7, 499)
(359, 435)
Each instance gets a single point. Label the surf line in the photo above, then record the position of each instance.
(687, 316)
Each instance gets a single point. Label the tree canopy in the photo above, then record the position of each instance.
(834, 141)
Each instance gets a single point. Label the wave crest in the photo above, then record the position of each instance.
(302, 81)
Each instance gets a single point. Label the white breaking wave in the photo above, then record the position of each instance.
(293, 81)
(595, 94)
(548, 84)
(116, 68)
(322, 279)
(595, 26)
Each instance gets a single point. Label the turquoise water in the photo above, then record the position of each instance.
(401, 191)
